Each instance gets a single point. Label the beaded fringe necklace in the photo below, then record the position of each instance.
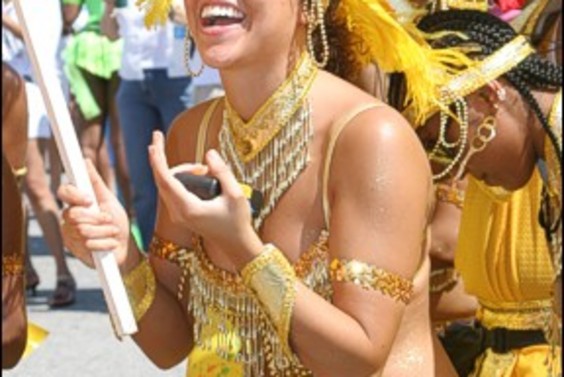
(268, 153)
(271, 150)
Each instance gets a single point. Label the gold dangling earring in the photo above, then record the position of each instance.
(485, 133)
(187, 50)
(314, 14)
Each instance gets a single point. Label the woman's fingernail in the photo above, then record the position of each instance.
(214, 156)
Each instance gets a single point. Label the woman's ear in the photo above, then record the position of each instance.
(498, 93)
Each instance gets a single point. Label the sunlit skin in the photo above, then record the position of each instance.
(509, 159)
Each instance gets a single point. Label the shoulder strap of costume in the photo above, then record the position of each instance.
(334, 133)
(203, 130)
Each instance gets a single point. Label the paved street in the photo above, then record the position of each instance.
(81, 342)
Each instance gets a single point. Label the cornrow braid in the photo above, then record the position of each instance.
(490, 33)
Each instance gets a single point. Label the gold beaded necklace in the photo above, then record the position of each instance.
(271, 150)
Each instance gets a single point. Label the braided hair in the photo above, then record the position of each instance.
(490, 33)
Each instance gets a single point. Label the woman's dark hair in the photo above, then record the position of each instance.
(342, 60)
(490, 34)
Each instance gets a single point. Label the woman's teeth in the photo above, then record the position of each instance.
(213, 14)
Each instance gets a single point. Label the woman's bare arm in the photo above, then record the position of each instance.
(378, 217)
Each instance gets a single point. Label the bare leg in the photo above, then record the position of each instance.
(116, 137)
(47, 213)
(31, 277)
(55, 165)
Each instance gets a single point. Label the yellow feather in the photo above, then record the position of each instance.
(156, 11)
(402, 48)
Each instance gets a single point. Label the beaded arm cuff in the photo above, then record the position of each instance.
(273, 280)
(173, 253)
(12, 265)
(371, 278)
(140, 285)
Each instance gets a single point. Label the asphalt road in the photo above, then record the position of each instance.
(81, 342)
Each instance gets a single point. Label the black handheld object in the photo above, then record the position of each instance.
(206, 188)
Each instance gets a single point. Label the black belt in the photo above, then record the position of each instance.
(502, 340)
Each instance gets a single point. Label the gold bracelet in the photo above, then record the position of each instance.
(273, 280)
(12, 265)
(140, 285)
(174, 253)
(370, 277)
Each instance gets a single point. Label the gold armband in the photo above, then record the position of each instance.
(371, 278)
(140, 285)
(173, 253)
(443, 280)
(273, 280)
(12, 265)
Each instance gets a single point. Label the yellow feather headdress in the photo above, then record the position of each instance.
(402, 48)
(393, 46)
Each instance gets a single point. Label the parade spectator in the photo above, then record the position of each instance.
(154, 89)
(91, 64)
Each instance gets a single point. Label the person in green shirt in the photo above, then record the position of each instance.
(92, 62)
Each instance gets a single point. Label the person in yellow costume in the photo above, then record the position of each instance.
(331, 276)
(500, 122)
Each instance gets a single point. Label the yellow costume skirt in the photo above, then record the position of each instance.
(533, 361)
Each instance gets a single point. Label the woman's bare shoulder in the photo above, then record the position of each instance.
(182, 136)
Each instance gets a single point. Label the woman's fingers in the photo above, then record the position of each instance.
(104, 244)
(89, 231)
(196, 169)
(219, 169)
(164, 178)
(81, 215)
(72, 196)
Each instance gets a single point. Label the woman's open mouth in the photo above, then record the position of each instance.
(220, 15)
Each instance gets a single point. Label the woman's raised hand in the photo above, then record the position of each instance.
(225, 220)
(85, 230)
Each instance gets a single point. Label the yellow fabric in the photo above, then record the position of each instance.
(502, 252)
(35, 336)
(207, 363)
(504, 259)
(526, 362)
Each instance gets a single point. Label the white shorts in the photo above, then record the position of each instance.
(38, 126)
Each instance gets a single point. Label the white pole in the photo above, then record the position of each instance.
(67, 143)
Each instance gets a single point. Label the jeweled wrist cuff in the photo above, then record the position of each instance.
(140, 286)
(273, 280)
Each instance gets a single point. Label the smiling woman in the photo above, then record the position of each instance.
(331, 278)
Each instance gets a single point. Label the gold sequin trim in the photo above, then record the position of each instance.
(172, 252)
(371, 278)
(12, 265)
(526, 315)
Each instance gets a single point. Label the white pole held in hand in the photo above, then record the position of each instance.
(75, 167)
